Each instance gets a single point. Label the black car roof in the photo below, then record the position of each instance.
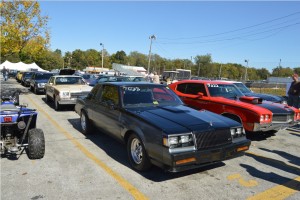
(130, 84)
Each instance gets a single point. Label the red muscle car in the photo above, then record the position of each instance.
(226, 99)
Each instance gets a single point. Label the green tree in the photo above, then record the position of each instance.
(263, 73)
(92, 58)
(282, 72)
(203, 64)
(22, 29)
(119, 57)
(137, 59)
(49, 60)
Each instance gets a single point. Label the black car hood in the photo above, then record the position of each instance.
(267, 97)
(182, 119)
(275, 108)
(42, 81)
(66, 71)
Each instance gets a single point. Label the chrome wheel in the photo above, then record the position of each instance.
(136, 151)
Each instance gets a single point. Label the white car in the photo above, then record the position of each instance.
(65, 89)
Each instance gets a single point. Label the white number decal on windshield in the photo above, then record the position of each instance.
(212, 85)
(132, 88)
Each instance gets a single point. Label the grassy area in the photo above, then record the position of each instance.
(274, 91)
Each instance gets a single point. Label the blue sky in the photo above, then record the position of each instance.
(231, 31)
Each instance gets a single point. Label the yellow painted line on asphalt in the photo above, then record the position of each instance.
(242, 181)
(279, 192)
(125, 184)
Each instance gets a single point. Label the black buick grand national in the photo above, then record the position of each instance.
(158, 128)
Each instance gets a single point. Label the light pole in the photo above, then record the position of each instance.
(220, 71)
(70, 57)
(151, 37)
(199, 69)
(246, 69)
(279, 66)
(101, 44)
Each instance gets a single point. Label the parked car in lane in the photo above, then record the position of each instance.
(268, 97)
(25, 81)
(19, 76)
(157, 128)
(102, 79)
(65, 89)
(12, 73)
(38, 81)
(226, 99)
(88, 78)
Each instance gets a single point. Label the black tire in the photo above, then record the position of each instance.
(57, 107)
(17, 98)
(86, 124)
(47, 98)
(36, 144)
(137, 154)
(35, 89)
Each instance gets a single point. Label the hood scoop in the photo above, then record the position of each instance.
(253, 100)
(173, 109)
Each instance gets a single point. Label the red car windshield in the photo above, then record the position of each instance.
(223, 90)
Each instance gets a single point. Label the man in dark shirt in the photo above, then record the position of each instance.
(294, 91)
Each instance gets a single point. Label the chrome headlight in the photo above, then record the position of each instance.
(179, 142)
(237, 132)
(265, 118)
(41, 84)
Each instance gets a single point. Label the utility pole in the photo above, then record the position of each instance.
(220, 69)
(101, 44)
(246, 60)
(199, 68)
(151, 37)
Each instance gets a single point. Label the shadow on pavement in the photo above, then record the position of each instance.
(118, 152)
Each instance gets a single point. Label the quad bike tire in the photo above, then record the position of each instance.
(17, 96)
(36, 144)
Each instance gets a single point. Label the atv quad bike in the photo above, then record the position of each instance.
(18, 129)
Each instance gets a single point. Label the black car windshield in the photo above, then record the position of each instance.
(27, 75)
(88, 76)
(242, 87)
(42, 76)
(148, 95)
(224, 90)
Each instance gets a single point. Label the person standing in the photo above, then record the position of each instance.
(293, 92)
(156, 78)
(5, 73)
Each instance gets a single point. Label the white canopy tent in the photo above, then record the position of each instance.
(20, 66)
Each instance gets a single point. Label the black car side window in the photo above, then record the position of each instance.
(181, 88)
(110, 95)
(195, 88)
(94, 91)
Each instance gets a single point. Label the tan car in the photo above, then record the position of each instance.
(65, 89)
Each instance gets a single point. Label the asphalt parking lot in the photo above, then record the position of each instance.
(96, 167)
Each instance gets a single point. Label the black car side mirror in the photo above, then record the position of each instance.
(110, 104)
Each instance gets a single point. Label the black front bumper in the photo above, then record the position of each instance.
(205, 157)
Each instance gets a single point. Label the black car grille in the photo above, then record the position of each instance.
(213, 138)
(78, 94)
(283, 118)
